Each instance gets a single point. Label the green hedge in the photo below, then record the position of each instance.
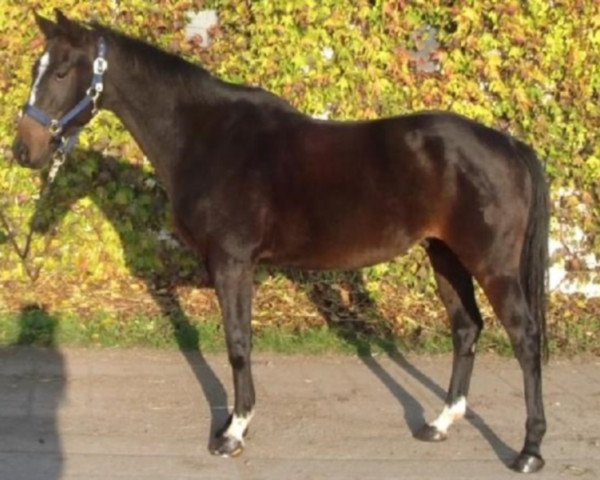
(531, 68)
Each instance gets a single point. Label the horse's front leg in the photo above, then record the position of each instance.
(233, 283)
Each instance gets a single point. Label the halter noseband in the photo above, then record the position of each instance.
(56, 126)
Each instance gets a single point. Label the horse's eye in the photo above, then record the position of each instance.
(61, 73)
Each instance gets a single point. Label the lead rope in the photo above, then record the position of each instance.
(58, 161)
(66, 145)
(32, 272)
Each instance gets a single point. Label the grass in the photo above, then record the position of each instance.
(34, 326)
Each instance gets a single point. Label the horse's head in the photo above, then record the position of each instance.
(62, 78)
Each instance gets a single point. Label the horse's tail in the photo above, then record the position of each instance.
(534, 256)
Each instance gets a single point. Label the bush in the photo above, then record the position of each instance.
(99, 240)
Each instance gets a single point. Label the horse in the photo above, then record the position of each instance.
(252, 180)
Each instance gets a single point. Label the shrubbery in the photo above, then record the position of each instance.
(532, 68)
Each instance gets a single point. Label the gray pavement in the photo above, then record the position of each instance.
(142, 414)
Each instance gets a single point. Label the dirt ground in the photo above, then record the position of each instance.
(143, 414)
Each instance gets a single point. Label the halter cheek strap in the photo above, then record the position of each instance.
(57, 125)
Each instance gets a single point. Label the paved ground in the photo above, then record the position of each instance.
(104, 414)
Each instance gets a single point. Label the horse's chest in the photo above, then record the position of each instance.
(233, 222)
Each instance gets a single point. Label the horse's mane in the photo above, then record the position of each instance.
(150, 56)
(149, 60)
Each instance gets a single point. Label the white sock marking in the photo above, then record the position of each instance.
(238, 426)
(42, 67)
(450, 414)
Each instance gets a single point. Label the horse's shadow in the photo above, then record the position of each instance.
(381, 336)
(139, 225)
(99, 181)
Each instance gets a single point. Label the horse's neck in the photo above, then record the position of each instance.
(147, 106)
(165, 108)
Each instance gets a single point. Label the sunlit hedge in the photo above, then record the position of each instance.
(531, 68)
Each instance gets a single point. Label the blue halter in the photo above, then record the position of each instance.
(57, 126)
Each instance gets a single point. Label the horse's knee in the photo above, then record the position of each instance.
(239, 352)
(237, 361)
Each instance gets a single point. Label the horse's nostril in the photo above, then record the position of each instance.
(21, 152)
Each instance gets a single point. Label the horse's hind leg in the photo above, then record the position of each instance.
(455, 285)
(508, 300)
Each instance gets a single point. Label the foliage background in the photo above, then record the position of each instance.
(99, 241)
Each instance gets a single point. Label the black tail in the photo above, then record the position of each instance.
(534, 257)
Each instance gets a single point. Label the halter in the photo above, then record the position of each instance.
(57, 125)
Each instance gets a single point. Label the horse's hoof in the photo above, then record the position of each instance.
(527, 463)
(429, 433)
(227, 446)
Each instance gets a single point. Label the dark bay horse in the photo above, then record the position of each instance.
(252, 180)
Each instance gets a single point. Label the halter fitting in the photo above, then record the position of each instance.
(57, 126)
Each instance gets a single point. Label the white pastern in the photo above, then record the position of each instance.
(450, 413)
(42, 67)
(238, 426)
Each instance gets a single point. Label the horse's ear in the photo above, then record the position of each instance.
(47, 27)
(75, 32)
